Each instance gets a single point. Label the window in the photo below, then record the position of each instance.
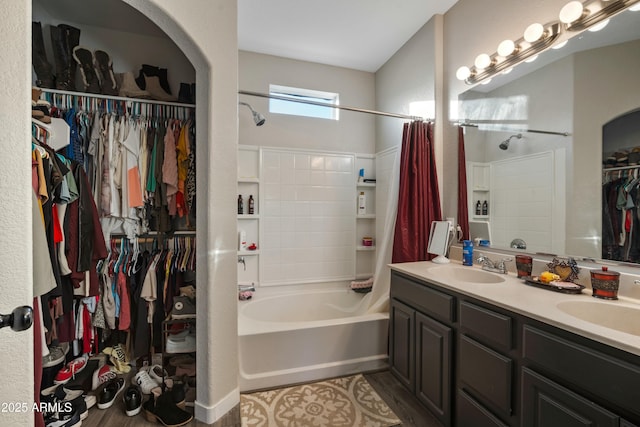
(280, 106)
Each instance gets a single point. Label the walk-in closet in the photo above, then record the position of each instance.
(114, 150)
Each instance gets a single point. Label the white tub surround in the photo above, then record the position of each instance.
(289, 335)
(539, 304)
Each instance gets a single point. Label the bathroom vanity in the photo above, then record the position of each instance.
(484, 349)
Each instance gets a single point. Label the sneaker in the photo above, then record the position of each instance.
(62, 394)
(157, 373)
(76, 365)
(188, 291)
(56, 355)
(183, 308)
(63, 419)
(109, 392)
(181, 343)
(146, 383)
(132, 400)
(102, 375)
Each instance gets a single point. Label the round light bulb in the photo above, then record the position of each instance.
(463, 73)
(600, 25)
(508, 70)
(533, 58)
(485, 82)
(533, 33)
(635, 7)
(506, 48)
(571, 12)
(560, 45)
(482, 61)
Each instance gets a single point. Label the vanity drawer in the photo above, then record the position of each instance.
(486, 325)
(486, 374)
(588, 369)
(423, 298)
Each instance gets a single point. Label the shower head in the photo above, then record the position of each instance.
(505, 144)
(257, 117)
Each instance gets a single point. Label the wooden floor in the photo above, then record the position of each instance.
(405, 406)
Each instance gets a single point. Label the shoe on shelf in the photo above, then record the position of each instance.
(132, 400)
(76, 365)
(188, 291)
(183, 359)
(56, 355)
(164, 410)
(183, 308)
(104, 68)
(147, 384)
(180, 343)
(102, 375)
(109, 392)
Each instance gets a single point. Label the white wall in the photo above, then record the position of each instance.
(354, 132)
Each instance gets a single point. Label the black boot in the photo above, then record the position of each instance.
(104, 67)
(72, 39)
(164, 82)
(42, 67)
(62, 59)
(84, 58)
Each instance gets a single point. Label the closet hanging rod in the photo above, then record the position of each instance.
(117, 98)
(546, 132)
(620, 168)
(340, 107)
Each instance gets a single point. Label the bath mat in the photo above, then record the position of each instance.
(348, 401)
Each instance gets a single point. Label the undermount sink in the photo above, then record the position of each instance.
(466, 274)
(611, 315)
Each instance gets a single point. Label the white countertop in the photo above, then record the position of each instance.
(539, 304)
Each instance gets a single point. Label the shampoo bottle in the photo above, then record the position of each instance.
(251, 211)
(362, 204)
(242, 240)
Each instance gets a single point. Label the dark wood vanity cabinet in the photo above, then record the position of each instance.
(421, 344)
(473, 364)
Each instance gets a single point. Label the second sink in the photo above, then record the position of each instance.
(465, 274)
(612, 315)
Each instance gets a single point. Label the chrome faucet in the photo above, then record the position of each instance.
(495, 267)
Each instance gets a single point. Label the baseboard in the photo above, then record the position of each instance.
(211, 414)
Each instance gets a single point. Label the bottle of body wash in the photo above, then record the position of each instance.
(362, 204)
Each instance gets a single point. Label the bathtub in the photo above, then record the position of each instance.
(288, 336)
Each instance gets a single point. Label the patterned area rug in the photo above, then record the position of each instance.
(347, 401)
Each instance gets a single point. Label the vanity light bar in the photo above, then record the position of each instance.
(524, 50)
(574, 16)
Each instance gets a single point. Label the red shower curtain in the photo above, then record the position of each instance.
(463, 208)
(418, 199)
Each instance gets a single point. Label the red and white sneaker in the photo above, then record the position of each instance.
(102, 375)
(76, 365)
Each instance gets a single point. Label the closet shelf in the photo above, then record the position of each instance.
(117, 98)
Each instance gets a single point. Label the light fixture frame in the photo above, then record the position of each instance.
(596, 11)
(553, 32)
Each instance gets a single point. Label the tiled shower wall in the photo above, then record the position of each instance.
(522, 195)
(308, 211)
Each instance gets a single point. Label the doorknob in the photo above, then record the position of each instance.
(20, 319)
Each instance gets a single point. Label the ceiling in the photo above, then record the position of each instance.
(357, 34)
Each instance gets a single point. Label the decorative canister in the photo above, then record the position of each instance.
(367, 241)
(524, 265)
(605, 283)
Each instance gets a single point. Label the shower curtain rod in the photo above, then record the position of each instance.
(340, 107)
(546, 132)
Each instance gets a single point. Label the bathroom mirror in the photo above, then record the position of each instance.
(439, 241)
(546, 188)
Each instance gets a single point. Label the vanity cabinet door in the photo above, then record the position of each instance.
(402, 343)
(545, 403)
(433, 366)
